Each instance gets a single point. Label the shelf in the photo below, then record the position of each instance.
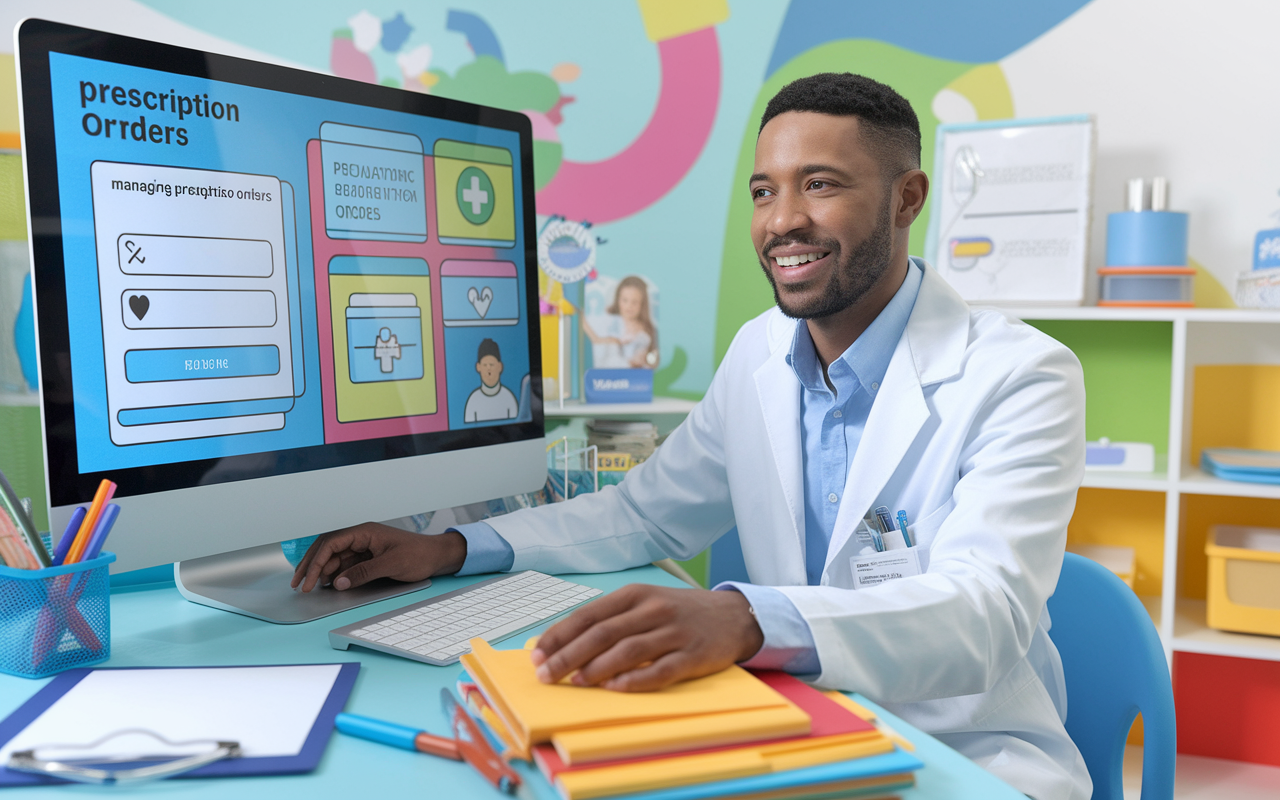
(1133, 481)
(1195, 481)
(1191, 635)
(1139, 314)
(1152, 604)
(660, 405)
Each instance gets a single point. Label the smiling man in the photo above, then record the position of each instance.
(871, 384)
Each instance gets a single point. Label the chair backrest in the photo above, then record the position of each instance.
(1115, 668)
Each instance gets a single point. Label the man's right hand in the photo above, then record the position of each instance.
(354, 556)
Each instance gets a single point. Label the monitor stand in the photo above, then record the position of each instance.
(255, 582)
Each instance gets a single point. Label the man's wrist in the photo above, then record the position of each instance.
(752, 636)
(452, 552)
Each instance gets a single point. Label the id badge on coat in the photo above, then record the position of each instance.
(873, 569)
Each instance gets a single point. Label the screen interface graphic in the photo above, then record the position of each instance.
(250, 271)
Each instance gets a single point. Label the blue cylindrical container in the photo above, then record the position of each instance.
(1147, 239)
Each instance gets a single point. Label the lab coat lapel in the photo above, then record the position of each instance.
(779, 392)
(930, 350)
(898, 413)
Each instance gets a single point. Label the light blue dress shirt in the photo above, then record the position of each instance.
(832, 422)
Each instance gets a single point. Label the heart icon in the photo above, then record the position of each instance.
(138, 304)
(479, 299)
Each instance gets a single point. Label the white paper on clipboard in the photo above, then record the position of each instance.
(269, 709)
(1009, 221)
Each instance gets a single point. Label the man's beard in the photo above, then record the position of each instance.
(852, 277)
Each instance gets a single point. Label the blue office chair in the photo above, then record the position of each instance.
(1115, 668)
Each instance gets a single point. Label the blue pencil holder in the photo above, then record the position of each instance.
(1147, 239)
(55, 619)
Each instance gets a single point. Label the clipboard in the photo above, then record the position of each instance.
(314, 736)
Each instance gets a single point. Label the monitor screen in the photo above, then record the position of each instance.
(244, 272)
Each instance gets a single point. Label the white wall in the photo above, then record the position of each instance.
(1187, 89)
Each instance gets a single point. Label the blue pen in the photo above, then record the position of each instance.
(404, 737)
(98, 538)
(882, 514)
(902, 525)
(64, 544)
(101, 532)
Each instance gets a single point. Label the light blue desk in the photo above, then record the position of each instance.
(153, 626)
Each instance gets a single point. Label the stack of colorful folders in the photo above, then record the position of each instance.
(734, 734)
(1252, 466)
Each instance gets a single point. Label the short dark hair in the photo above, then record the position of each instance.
(889, 126)
(488, 347)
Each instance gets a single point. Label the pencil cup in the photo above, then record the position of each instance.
(55, 619)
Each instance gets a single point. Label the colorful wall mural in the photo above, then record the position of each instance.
(645, 112)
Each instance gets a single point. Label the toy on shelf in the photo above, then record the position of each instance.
(1260, 286)
(1147, 251)
(566, 258)
(1105, 454)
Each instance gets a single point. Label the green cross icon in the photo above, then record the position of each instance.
(475, 195)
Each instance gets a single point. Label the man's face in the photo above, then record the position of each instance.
(490, 370)
(821, 224)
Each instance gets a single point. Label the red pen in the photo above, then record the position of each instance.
(475, 748)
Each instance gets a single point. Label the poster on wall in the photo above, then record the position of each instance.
(1011, 209)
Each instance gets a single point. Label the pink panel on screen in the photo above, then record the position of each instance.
(478, 269)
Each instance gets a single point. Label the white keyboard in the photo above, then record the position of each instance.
(437, 631)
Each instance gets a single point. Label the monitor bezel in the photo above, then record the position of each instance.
(35, 39)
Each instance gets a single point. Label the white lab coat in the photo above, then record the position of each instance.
(977, 432)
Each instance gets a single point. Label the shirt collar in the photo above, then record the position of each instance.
(867, 359)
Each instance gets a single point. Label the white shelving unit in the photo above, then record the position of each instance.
(1200, 337)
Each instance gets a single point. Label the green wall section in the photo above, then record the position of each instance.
(1127, 375)
(22, 457)
(699, 567)
(13, 209)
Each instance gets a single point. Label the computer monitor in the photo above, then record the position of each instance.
(272, 303)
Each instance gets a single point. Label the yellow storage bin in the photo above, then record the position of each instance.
(1244, 579)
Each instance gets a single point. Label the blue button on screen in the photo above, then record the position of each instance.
(192, 363)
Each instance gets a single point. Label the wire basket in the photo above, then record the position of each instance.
(55, 619)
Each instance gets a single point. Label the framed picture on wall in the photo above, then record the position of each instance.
(1009, 222)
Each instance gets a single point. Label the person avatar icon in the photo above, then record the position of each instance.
(491, 400)
(387, 349)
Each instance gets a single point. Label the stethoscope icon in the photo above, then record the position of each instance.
(966, 175)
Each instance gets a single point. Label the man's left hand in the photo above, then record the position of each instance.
(641, 638)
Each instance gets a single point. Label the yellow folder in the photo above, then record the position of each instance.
(674, 735)
(654, 774)
(534, 712)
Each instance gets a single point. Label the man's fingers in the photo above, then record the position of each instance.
(365, 571)
(592, 642)
(329, 545)
(305, 564)
(568, 629)
(663, 672)
(625, 655)
(577, 623)
(330, 567)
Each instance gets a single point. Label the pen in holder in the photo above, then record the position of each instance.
(55, 618)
